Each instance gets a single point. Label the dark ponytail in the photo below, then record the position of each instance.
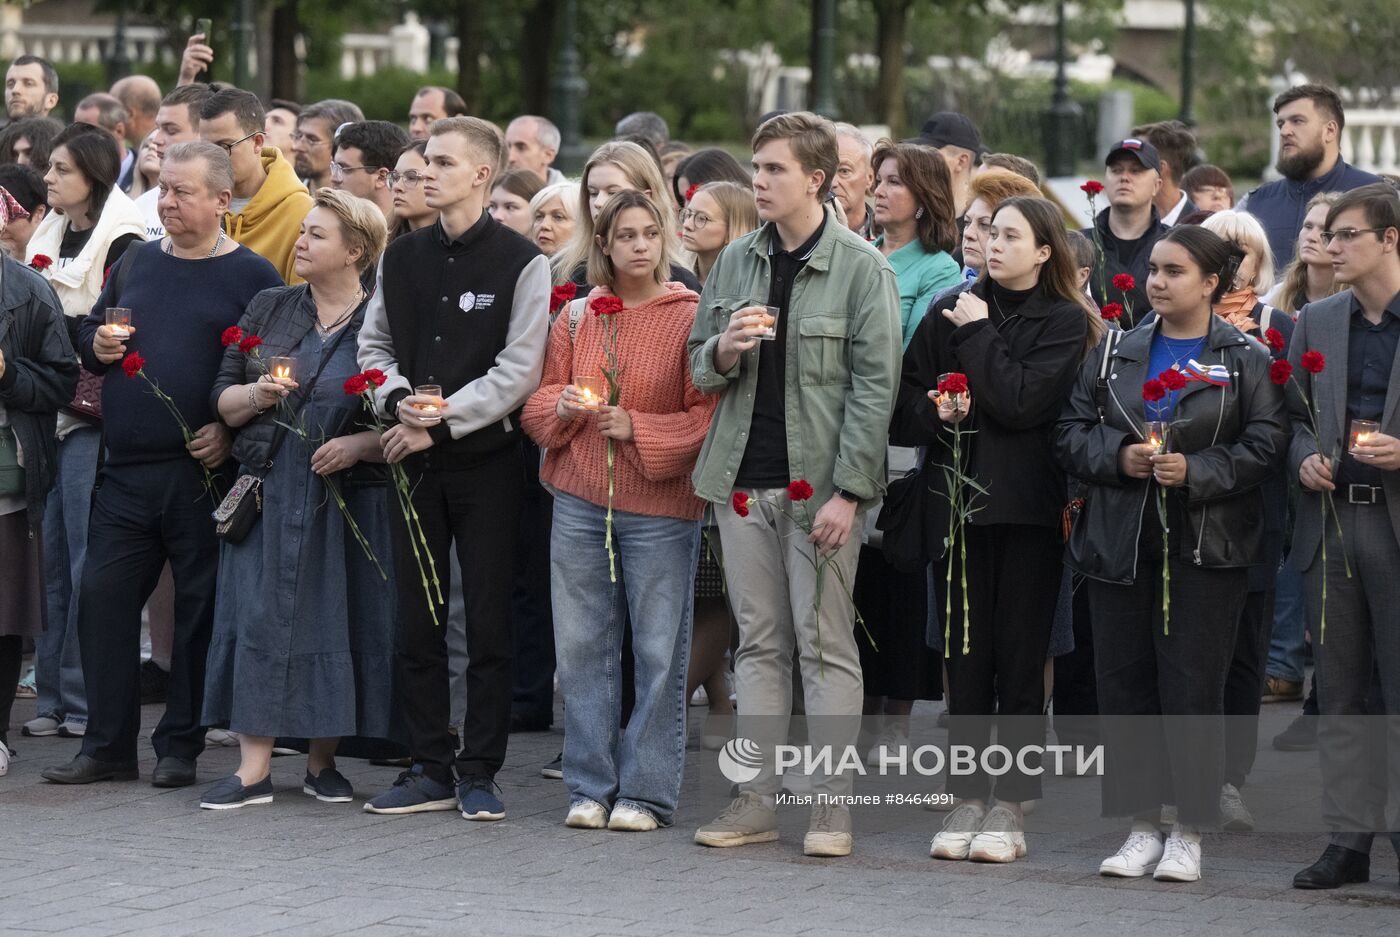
(1214, 255)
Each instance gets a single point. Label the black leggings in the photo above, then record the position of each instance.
(11, 656)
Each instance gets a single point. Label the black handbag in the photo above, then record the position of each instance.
(242, 506)
(904, 522)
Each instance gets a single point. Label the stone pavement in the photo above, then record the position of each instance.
(126, 858)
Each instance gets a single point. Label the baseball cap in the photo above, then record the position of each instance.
(1145, 152)
(949, 128)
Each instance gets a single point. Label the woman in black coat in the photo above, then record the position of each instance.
(38, 374)
(1227, 437)
(1018, 335)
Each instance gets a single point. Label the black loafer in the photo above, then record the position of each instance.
(84, 769)
(1337, 866)
(230, 794)
(173, 772)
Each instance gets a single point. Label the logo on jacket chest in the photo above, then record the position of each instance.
(469, 300)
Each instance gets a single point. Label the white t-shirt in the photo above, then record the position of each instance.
(146, 202)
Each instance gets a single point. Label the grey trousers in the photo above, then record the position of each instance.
(773, 589)
(1359, 754)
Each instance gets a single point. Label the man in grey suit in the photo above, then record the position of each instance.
(1357, 331)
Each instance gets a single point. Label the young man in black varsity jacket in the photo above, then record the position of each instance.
(463, 304)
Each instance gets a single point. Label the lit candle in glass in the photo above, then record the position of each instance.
(282, 369)
(1159, 437)
(431, 408)
(590, 388)
(1362, 431)
(119, 322)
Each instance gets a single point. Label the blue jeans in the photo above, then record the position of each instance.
(58, 670)
(642, 767)
(1286, 646)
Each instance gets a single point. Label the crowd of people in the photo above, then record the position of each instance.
(372, 426)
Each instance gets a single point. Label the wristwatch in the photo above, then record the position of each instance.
(848, 496)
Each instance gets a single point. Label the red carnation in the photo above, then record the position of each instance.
(1111, 311)
(955, 383)
(690, 192)
(1124, 282)
(375, 376)
(1092, 187)
(741, 504)
(607, 306)
(561, 295)
(1154, 390)
(249, 343)
(1172, 379)
(1274, 339)
(356, 384)
(1313, 362)
(132, 364)
(1280, 372)
(232, 336)
(41, 262)
(799, 490)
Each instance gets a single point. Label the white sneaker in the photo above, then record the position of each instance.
(587, 815)
(954, 840)
(72, 730)
(221, 737)
(893, 736)
(1182, 861)
(1000, 839)
(4, 760)
(1139, 853)
(700, 697)
(41, 727)
(627, 819)
(1234, 815)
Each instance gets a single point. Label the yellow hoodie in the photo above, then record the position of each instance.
(271, 222)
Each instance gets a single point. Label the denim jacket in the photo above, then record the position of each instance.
(843, 355)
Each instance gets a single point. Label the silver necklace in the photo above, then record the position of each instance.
(325, 330)
(170, 246)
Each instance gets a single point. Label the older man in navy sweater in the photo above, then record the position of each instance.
(462, 304)
(151, 504)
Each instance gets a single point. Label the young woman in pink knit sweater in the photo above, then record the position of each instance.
(624, 781)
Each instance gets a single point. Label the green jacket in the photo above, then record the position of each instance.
(843, 357)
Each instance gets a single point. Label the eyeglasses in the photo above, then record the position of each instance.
(410, 179)
(308, 139)
(228, 147)
(1347, 235)
(338, 171)
(697, 218)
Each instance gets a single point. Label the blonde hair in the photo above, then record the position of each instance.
(362, 224)
(1244, 231)
(736, 201)
(600, 266)
(643, 174)
(812, 140)
(484, 138)
(1295, 275)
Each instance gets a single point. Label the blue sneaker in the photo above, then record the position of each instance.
(413, 792)
(477, 800)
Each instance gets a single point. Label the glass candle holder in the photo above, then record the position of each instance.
(430, 409)
(282, 368)
(770, 324)
(118, 320)
(1159, 436)
(1361, 431)
(592, 390)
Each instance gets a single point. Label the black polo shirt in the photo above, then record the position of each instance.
(1370, 359)
(765, 462)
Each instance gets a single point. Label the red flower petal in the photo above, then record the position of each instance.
(1111, 311)
(1124, 282)
(232, 336)
(132, 364)
(1172, 379)
(799, 490)
(41, 262)
(1153, 390)
(249, 343)
(1313, 362)
(355, 385)
(1274, 339)
(1092, 187)
(375, 377)
(741, 503)
(1280, 372)
(607, 305)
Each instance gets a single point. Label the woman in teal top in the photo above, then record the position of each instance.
(914, 210)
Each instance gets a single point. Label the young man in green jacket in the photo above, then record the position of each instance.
(812, 405)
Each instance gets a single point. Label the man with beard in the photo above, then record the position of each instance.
(31, 88)
(1310, 121)
(313, 143)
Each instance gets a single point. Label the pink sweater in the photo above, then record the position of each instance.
(669, 416)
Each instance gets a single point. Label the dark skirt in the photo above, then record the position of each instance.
(22, 599)
(894, 605)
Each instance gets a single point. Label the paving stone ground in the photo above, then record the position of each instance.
(127, 859)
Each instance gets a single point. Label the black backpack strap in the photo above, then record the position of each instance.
(1110, 342)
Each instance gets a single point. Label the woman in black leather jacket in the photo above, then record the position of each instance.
(1228, 434)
